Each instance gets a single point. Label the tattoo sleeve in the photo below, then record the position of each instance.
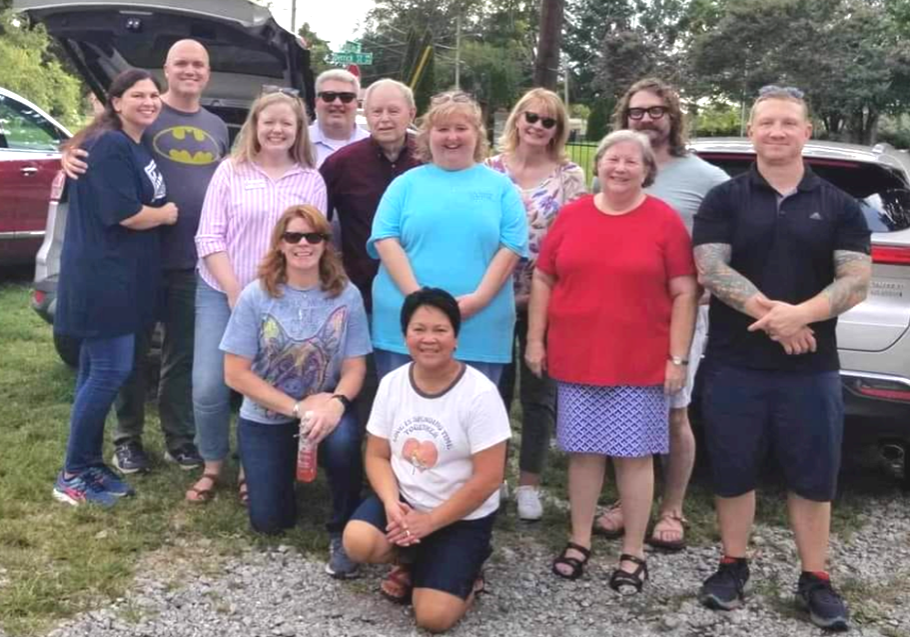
(852, 271)
(715, 273)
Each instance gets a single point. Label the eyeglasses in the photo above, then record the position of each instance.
(313, 238)
(330, 96)
(533, 118)
(774, 89)
(654, 112)
(268, 89)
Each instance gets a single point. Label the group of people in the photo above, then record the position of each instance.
(406, 325)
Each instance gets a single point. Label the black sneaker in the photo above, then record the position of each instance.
(186, 457)
(826, 608)
(129, 457)
(727, 588)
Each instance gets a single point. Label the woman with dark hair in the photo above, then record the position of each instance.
(435, 458)
(109, 273)
(296, 345)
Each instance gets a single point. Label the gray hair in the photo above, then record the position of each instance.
(647, 153)
(339, 75)
(404, 89)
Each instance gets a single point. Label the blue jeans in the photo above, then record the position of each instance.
(104, 365)
(387, 361)
(211, 396)
(269, 456)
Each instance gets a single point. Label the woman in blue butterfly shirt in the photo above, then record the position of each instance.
(297, 342)
(109, 273)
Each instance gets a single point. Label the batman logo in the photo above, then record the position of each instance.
(187, 145)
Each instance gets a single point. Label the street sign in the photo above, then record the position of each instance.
(342, 57)
(351, 47)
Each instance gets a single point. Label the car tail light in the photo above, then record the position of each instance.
(58, 185)
(38, 296)
(891, 255)
(881, 389)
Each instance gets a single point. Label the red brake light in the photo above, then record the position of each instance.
(57, 186)
(891, 255)
(38, 297)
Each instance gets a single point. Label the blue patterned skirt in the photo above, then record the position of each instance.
(629, 422)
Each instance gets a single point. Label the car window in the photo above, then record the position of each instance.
(24, 128)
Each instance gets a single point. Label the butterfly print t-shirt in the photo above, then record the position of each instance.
(433, 437)
(297, 342)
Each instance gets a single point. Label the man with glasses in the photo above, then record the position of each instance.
(651, 106)
(783, 253)
(187, 142)
(336, 111)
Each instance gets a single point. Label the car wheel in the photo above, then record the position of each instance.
(68, 349)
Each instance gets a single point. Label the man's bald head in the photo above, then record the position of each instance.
(187, 70)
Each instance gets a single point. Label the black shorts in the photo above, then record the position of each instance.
(448, 560)
(797, 416)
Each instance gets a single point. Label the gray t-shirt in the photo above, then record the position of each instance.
(297, 342)
(187, 148)
(684, 182)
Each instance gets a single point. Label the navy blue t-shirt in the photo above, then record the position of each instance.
(109, 274)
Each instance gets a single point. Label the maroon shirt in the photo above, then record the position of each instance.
(356, 177)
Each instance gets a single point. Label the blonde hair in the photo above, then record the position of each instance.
(248, 147)
(644, 143)
(443, 107)
(273, 269)
(554, 105)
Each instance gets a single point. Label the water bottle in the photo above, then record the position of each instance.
(306, 451)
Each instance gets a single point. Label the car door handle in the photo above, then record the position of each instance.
(28, 170)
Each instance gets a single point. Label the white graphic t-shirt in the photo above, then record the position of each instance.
(433, 437)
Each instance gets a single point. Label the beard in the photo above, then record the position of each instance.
(658, 136)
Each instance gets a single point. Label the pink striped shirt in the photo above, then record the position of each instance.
(241, 207)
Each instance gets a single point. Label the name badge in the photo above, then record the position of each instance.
(254, 184)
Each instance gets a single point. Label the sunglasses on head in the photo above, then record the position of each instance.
(654, 112)
(268, 89)
(533, 118)
(313, 238)
(451, 96)
(328, 97)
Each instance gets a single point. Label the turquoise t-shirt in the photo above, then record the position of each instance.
(450, 224)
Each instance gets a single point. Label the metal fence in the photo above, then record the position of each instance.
(582, 153)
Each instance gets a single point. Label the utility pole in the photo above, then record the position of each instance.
(546, 66)
(458, 50)
(566, 85)
(294, 17)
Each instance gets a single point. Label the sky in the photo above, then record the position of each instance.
(332, 20)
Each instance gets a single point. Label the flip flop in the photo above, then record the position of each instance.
(397, 586)
(612, 513)
(672, 546)
(203, 495)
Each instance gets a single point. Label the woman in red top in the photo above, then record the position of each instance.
(615, 295)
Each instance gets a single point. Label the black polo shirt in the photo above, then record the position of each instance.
(785, 246)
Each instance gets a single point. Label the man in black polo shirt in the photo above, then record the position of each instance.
(783, 253)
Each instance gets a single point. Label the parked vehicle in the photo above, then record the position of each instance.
(29, 159)
(247, 50)
(873, 338)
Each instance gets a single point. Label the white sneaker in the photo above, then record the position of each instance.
(529, 507)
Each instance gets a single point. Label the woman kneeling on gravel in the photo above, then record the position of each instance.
(435, 459)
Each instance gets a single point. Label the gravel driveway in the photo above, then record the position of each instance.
(279, 592)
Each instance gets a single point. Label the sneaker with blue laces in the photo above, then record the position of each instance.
(82, 489)
(340, 566)
(825, 607)
(110, 481)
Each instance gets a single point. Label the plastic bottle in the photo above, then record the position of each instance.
(306, 452)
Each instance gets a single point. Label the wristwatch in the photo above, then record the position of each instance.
(344, 400)
(678, 361)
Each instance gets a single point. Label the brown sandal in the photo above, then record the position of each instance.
(613, 515)
(397, 586)
(203, 495)
(672, 546)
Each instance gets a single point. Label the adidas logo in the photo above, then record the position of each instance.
(815, 216)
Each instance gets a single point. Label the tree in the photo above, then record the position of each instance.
(320, 51)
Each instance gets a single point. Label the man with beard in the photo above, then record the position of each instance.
(652, 107)
(336, 111)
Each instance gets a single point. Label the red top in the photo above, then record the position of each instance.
(609, 313)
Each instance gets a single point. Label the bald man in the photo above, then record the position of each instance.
(187, 142)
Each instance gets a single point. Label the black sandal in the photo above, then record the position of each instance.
(636, 578)
(577, 565)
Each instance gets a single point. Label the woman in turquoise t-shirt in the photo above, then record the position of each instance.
(453, 224)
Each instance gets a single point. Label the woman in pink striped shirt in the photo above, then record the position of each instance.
(271, 169)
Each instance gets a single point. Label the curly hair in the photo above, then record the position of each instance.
(444, 106)
(678, 133)
(553, 107)
(273, 269)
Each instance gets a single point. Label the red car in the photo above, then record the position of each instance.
(29, 160)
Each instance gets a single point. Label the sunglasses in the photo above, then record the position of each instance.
(330, 96)
(533, 118)
(774, 89)
(452, 96)
(654, 112)
(313, 238)
(268, 89)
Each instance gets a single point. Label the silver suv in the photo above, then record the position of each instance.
(873, 338)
